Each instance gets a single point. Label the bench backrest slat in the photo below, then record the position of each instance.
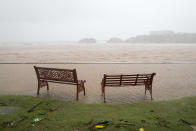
(54, 74)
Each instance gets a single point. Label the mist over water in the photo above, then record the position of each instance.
(72, 20)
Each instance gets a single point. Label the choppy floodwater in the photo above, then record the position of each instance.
(171, 82)
(147, 53)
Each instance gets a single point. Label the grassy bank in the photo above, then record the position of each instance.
(74, 116)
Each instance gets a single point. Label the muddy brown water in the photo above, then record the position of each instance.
(173, 81)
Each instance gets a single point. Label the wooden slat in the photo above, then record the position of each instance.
(132, 83)
(53, 79)
(134, 79)
(61, 82)
(130, 75)
(138, 74)
(113, 77)
(129, 79)
(112, 83)
(128, 82)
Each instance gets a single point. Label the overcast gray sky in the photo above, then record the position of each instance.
(59, 20)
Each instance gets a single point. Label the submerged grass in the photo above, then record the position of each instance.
(74, 116)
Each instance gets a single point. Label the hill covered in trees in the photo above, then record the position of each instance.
(152, 37)
(163, 37)
(88, 40)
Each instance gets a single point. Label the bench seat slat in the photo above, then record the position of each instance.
(61, 82)
(119, 80)
(118, 84)
(127, 75)
(137, 74)
(133, 77)
(56, 80)
(110, 78)
(131, 80)
(131, 83)
(139, 77)
(112, 83)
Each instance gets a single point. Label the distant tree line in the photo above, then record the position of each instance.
(152, 37)
(164, 37)
(87, 40)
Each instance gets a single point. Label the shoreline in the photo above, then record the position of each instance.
(91, 62)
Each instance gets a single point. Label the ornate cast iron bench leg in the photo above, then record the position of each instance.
(38, 88)
(149, 88)
(77, 92)
(103, 91)
(80, 87)
(104, 94)
(83, 87)
(42, 84)
(102, 88)
(47, 85)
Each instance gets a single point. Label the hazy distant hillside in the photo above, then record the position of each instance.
(88, 40)
(164, 37)
(115, 40)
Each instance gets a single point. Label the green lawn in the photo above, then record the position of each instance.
(74, 116)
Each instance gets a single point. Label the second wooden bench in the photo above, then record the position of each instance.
(127, 80)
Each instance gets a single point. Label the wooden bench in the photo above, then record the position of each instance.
(64, 76)
(127, 80)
